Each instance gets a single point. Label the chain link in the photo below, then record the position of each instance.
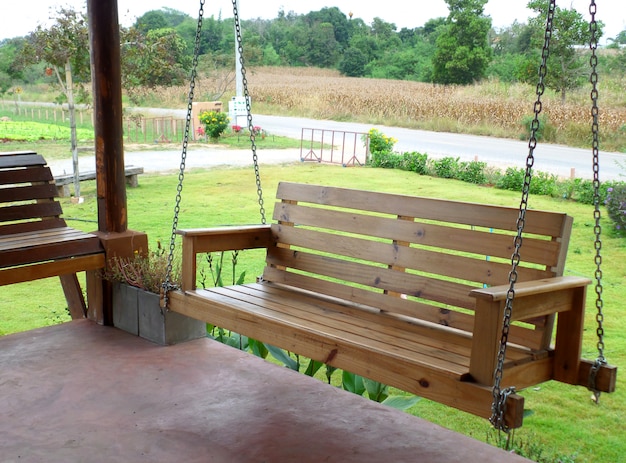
(595, 130)
(246, 94)
(167, 284)
(498, 407)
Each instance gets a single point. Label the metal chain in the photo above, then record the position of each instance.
(246, 94)
(167, 284)
(498, 407)
(595, 130)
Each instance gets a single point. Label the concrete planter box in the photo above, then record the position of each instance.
(138, 312)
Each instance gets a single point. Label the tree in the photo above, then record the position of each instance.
(353, 63)
(64, 47)
(157, 58)
(463, 52)
(566, 64)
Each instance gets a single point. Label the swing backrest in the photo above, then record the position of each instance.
(411, 256)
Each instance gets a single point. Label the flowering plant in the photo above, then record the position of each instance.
(256, 130)
(379, 143)
(200, 131)
(215, 122)
(236, 128)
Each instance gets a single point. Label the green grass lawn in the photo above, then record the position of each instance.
(564, 422)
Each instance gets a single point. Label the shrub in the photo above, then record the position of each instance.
(380, 143)
(545, 131)
(513, 179)
(544, 183)
(386, 160)
(616, 205)
(215, 123)
(447, 167)
(473, 172)
(415, 162)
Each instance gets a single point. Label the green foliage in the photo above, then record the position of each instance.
(379, 143)
(545, 130)
(473, 172)
(532, 447)
(33, 131)
(513, 179)
(616, 206)
(215, 123)
(463, 52)
(415, 162)
(566, 64)
(447, 167)
(353, 63)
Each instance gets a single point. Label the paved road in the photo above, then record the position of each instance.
(499, 152)
(502, 153)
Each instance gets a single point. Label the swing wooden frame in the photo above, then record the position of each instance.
(389, 296)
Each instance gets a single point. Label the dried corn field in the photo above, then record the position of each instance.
(330, 95)
(497, 107)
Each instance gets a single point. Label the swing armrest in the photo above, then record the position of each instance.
(563, 295)
(201, 240)
(536, 298)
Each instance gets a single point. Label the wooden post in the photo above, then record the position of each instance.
(107, 91)
(110, 179)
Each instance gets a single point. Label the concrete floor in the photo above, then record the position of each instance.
(80, 392)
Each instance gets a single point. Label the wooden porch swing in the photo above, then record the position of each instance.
(416, 293)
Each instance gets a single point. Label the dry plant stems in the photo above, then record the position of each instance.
(144, 271)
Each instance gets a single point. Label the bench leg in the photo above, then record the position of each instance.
(132, 181)
(63, 191)
(73, 296)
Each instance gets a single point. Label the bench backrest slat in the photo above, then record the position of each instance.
(27, 194)
(416, 257)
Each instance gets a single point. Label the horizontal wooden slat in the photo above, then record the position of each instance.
(30, 211)
(41, 270)
(30, 175)
(444, 292)
(478, 269)
(35, 225)
(505, 218)
(27, 248)
(30, 192)
(496, 244)
(21, 159)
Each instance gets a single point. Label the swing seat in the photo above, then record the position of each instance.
(404, 290)
(35, 241)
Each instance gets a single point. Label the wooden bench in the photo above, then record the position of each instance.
(35, 241)
(64, 181)
(404, 290)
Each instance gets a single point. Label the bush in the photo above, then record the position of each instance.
(545, 131)
(415, 162)
(513, 179)
(215, 123)
(447, 167)
(386, 160)
(616, 205)
(544, 183)
(473, 172)
(379, 143)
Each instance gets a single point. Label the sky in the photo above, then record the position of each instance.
(17, 19)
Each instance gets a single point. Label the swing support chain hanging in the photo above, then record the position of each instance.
(593, 60)
(246, 95)
(498, 407)
(167, 284)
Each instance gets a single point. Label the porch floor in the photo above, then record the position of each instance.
(80, 392)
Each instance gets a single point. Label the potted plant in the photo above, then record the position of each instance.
(137, 287)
